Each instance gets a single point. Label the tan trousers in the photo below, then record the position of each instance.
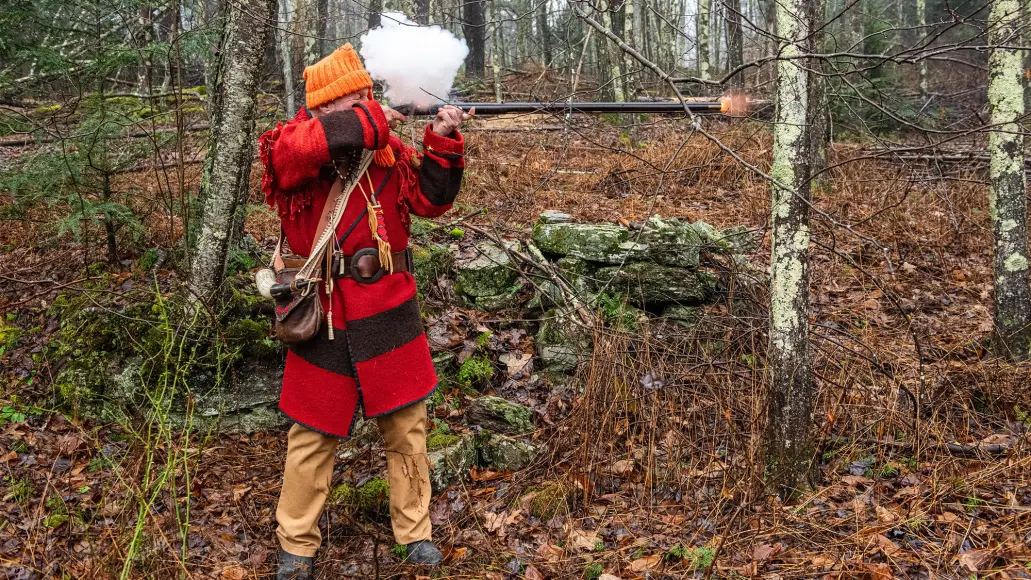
(309, 470)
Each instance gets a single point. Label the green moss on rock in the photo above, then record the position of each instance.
(431, 262)
(487, 273)
(645, 283)
(505, 453)
(595, 242)
(450, 464)
(436, 441)
(500, 416)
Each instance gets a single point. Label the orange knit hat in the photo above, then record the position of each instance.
(339, 74)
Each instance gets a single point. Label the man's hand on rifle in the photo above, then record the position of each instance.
(394, 118)
(450, 118)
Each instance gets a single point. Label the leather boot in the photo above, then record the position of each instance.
(424, 553)
(294, 567)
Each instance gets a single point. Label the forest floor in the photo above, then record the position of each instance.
(900, 359)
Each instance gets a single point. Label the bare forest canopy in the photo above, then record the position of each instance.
(788, 339)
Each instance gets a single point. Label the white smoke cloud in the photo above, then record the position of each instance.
(417, 64)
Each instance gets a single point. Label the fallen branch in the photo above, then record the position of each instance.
(992, 451)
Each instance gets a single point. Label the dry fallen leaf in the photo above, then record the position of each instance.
(886, 515)
(68, 444)
(622, 467)
(886, 546)
(532, 573)
(823, 560)
(765, 552)
(608, 577)
(457, 554)
(856, 480)
(494, 521)
(974, 560)
(646, 563)
(581, 541)
(233, 573)
(551, 552)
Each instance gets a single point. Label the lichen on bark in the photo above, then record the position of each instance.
(788, 443)
(1007, 186)
(229, 146)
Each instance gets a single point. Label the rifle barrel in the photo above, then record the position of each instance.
(667, 107)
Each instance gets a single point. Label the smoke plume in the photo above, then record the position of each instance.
(417, 64)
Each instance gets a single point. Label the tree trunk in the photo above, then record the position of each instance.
(704, 14)
(375, 9)
(789, 444)
(640, 8)
(735, 42)
(321, 26)
(145, 75)
(475, 21)
(921, 22)
(544, 31)
(495, 48)
(1007, 191)
(288, 69)
(231, 146)
(422, 12)
(611, 20)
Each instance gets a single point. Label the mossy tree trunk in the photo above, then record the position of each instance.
(792, 397)
(231, 144)
(1007, 191)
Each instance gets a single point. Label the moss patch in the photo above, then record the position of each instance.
(371, 498)
(551, 499)
(440, 440)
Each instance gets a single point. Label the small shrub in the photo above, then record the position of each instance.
(594, 571)
(475, 371)
(19, 489)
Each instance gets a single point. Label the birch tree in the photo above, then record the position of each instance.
(284, 48)
(230, 146)
(1007, 191)
(704, 56)
(921, 22)
(789, 449)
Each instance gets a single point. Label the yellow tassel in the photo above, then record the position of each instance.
(329, 292)
(384, 157)
(386, 260)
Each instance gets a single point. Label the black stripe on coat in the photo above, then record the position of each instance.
(329, 355)
(438, 183)
(381, 333)
(343, 131)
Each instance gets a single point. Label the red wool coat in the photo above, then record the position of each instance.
(380, 359)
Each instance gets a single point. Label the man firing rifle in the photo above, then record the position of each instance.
(370, 358)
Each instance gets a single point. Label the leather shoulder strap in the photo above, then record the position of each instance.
(334, 193)
(331, 202)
